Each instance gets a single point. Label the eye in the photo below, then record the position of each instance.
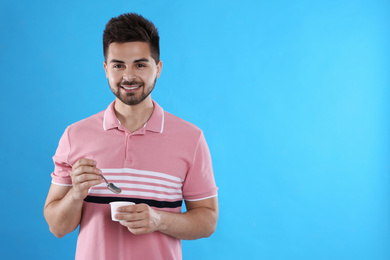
(140, 65)
(118, 66)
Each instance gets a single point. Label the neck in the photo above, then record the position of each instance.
(134, 117)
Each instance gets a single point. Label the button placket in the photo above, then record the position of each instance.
(129, 155)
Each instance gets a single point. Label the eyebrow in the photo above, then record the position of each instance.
(142, 60)
(139, 60)
(116, 61)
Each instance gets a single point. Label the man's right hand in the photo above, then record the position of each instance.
(84, 175)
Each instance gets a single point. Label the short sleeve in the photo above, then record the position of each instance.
(62, 169)
(200, 183)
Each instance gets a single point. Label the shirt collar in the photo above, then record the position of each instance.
(156, 120)
(154, 124)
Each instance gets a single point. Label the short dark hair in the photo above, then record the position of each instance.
(132, 27)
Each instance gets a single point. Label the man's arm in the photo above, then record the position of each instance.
(61, 211)
(64, 204)
(199, 221)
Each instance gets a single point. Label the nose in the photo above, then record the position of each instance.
(128, 74)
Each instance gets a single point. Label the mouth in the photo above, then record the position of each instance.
(130, 89)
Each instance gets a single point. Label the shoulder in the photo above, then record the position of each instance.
(92, 122)
(176, 124)
(181, 133)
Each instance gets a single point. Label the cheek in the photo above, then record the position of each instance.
(150, 77)
(112, 78)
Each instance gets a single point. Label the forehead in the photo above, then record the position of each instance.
(128, 51)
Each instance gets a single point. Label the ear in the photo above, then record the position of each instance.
(105, 67)
(159, 68)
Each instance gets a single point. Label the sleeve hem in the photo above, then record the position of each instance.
(61, 184)
(216, 195)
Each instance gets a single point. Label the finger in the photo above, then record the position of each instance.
(130, 217)
(135, 224)
(86, 184)
(134, 208)
(139, 231)
(127, 209)
(136, 228)
(84, 162)
(77, 179)
(86, 169)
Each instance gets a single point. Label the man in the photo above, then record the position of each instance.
(157, 160)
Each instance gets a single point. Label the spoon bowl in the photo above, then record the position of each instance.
(111, 186)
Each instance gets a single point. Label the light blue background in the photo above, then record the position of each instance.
(293, 97)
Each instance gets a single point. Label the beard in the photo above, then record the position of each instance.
(133, 99)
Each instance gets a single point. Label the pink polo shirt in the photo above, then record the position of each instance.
(160, 164)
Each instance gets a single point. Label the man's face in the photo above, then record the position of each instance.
(131, 71)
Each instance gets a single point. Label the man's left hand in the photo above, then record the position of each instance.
(139, 218)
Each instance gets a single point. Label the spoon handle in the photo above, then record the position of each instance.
(104, 178)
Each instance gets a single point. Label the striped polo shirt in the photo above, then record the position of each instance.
(161, 164)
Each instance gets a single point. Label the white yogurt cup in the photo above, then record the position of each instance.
(115, 205)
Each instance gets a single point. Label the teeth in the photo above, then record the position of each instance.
(129, 88)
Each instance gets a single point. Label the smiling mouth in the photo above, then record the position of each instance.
(130, 88)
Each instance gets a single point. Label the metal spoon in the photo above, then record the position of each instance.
(112, 186)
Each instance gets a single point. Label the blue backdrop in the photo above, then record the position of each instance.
(293, 98)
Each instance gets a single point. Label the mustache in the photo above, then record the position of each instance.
(133, 82)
